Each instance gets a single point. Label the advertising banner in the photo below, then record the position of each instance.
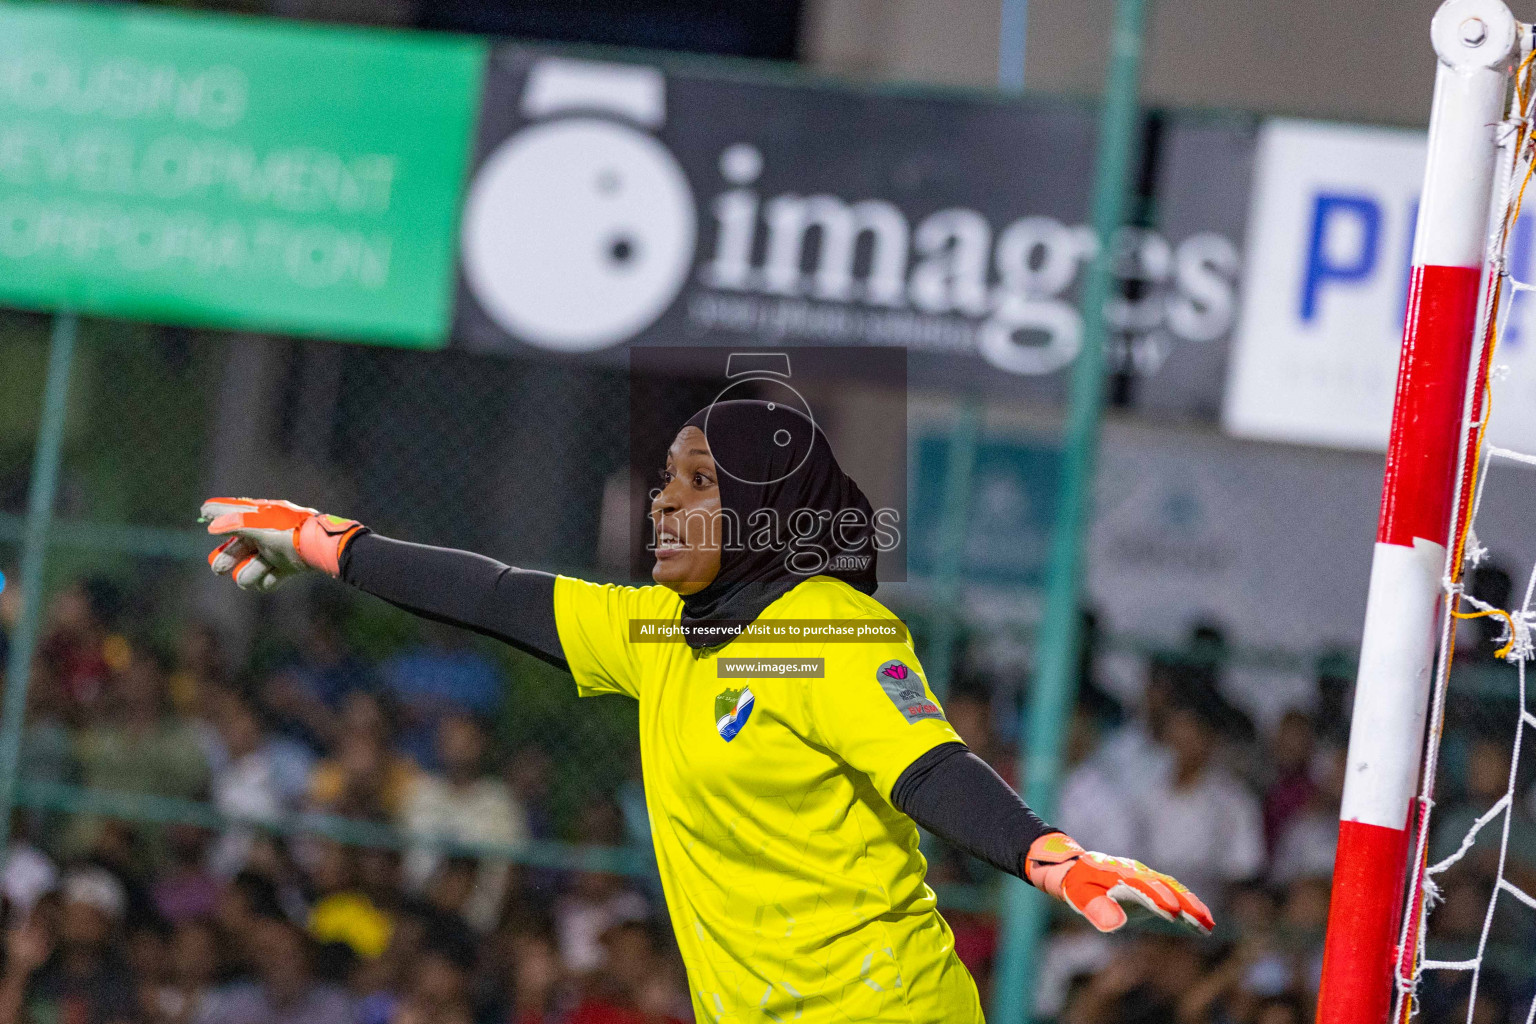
(232, 172)
(616, 204)
(1325, 285)
(1270, 542)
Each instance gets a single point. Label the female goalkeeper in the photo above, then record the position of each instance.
(782, 805)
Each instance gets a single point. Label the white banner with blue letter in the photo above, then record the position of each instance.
(1325, 283)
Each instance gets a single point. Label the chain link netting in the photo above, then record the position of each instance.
(508, 458)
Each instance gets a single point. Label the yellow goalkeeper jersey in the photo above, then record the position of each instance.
(795, 887)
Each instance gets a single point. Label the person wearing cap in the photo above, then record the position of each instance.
(74, 973)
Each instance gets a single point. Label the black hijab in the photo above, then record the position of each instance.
(790, 513)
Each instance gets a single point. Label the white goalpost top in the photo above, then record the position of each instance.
(1434, 467)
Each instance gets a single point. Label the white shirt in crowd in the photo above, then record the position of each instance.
(1095, 809)
(1205, 834)
(1132, 759)
(1306, 848)
(246, 789)
(27, 876)
(580, 924)
(485, 811)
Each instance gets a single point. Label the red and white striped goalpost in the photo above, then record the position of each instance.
(1475, 41)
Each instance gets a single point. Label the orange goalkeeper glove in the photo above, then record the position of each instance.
(1093, 884)
(272, 540)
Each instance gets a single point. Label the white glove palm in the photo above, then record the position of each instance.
(270, 541)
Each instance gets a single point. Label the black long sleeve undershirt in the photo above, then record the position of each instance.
(515, 606)
(949, 791)
(958, 797)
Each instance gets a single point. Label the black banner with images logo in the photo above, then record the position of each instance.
(619, 204)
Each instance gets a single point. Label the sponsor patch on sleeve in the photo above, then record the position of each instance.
(905, 688)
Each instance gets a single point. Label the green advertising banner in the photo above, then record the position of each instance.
(233, 172)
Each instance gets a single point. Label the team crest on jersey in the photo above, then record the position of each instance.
(905, 688)
(732, 709)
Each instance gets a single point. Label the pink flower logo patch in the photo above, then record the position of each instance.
(907, 691)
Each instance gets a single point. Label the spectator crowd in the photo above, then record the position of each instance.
(110, 921)
(116, 922)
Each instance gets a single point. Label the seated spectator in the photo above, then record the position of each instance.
(381, 984)
(199, 664)
(1291, 788)
(975, 943)
(272, 858)
(284, 989)
(1093, 808)
(443, 675)
(1252, 972)
(205, 718)
(80, 644)
(636, 987)
(1252, 907)
(380, 877)
(186, 890)
(1146, 983)
(244, 903)
(647, 964)
(138, 747)
(1203, 667)
(1134, 755)
(124, 850)
(246, 789)
(1202, 826)
(196, 959)
(72, 971)
(220, 710)
(47, 741)
(463, 804)
(533, 976)
(1304, 920)
(970, 712)
(1073, 948)
(438, 988)
(342, 912)
(303, 698)
(528, 775)
(1308, 841)
(27, 874)
(450, 892)
(146, 950)
(363, 777)
(597, 901)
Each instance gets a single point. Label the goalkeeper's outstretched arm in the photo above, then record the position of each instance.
(268, 541)
(515, 606)
(955, 795)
